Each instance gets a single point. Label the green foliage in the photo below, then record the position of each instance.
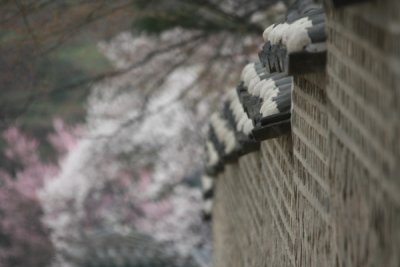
(31, 94)
(83, 56)
(156, 23)
(65, 66)
(145, 3)
(156, 16)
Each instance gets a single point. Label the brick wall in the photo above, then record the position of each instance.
(251, 220)
(363, 96)
(328, 193)
(310, 176)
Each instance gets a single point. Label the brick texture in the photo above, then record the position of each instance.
(363, 96)
(328, 193)
(311, 183)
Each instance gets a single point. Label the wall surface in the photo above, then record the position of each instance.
(248, 221)
(328, 193)
(311, 184)
(363, 96)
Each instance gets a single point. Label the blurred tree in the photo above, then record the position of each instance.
(121, 248)
(134, 181)
(32, 31)
(144, 111)
(24, 240)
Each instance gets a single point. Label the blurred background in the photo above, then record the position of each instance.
(102, 119)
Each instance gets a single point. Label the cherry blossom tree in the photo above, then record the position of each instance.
(132, 178)
(24, 240)
(131, 174)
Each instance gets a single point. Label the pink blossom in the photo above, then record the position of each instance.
(27, 239)
(65, 138)
(21, 148)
